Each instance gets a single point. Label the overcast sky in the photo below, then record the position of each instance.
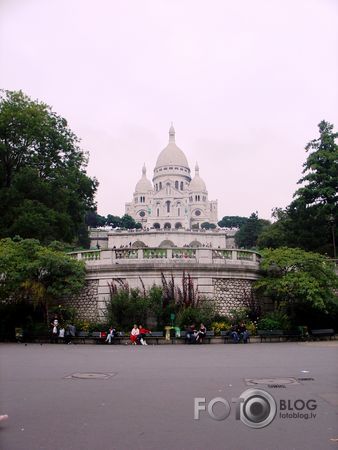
(244, 82)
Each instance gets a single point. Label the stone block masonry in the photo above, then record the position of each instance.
(229, 293)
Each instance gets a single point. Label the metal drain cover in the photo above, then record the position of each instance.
(91, 375)
(270, 381)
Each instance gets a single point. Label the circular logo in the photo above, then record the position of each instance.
(257, 408)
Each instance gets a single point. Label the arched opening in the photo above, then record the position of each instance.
(178, 225)
(195, 244)
(176, 184)
(157, 226)
(138, 244)
(167, 226)
(167, 204)
(181, 185)
(167, 243)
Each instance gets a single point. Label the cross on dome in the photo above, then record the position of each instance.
(172, 133)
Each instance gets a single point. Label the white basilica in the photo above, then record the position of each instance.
(173, 200)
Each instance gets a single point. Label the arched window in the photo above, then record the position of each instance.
(167, 226)
(158, 212)
(181, 185)
(157, 226)
(178, 225)
(167, 203)
(160, 185)
(176, 184)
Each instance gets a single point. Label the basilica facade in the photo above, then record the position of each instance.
(173, 200)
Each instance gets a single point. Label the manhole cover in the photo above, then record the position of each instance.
(91, 375)
(270, 381)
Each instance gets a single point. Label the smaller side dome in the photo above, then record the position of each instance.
(143, 185)
(197, 184)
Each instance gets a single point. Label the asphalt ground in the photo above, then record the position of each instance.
(139, 397)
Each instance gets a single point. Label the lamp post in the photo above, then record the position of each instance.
(333, 224)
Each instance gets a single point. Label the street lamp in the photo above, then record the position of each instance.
(332, 221)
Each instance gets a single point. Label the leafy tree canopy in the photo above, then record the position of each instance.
(44, 189)
(208, 226)
(94, 220)
(293, 276)
(232, 221)
(247, 235)
(31, 272)
(309, 222)
(321, 171)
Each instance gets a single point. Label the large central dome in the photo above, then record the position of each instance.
(171, 155)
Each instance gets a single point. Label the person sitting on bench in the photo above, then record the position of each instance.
(111, 334)
(191, 334)
(201, 333)
(142, 335)
(134, 334)
(243, 333)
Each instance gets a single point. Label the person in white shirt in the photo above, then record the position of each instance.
(134, 334)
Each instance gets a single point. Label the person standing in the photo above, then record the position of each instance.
(55, 329)
(70, 333)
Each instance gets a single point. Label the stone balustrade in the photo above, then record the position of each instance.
(198, 255)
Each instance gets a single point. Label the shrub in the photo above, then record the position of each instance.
(217, 327)
(276, 320)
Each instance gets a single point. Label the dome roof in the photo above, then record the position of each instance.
(197, 184)
(172, 155)
(143, 185)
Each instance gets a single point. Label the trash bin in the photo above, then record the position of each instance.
(177, 332)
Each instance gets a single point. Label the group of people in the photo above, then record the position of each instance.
(239, 333)
(137, 335)
(62, 333)
(194, 336)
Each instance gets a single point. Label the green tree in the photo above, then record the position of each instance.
(275, 234)
(44, 190)
(129, 223)
(309, 222)
(113, 221)
(208, 226)
(94, 220)
(232, 221)
(247, 235)
(38, 275)
(293, 277)
(321, 171)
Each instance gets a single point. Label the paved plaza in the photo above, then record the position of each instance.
(121, 397)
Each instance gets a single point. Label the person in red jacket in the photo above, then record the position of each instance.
(142, 335)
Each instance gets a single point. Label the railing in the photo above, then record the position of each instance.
(126, 253)
(86, 255)
(222, 254)
(178, 253)
(154, 253)
(205, 255)
(246, 256)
